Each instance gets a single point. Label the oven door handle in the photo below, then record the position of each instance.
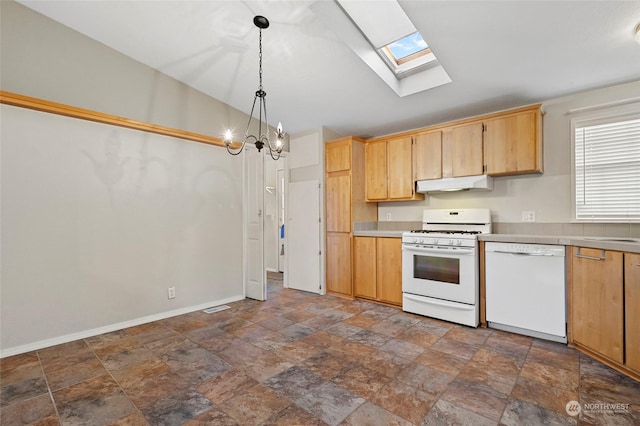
(438, 250)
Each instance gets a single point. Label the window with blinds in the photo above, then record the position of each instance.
(607, 169)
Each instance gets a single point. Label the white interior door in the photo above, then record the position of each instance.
(303, 236)
(255, 273)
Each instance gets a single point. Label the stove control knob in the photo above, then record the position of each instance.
(452, 242)
(436, 242)
(459, 242)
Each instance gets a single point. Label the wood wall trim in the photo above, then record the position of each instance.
(22, 101)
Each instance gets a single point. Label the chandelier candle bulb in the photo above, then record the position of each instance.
(228, 137)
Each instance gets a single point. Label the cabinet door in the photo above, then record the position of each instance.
(339, 263)
(364, 271)
(511, 144)
(389, 270)
(338, 189)
(632, 310)
(427, 156)
(597, 301)
(375, 162)
(467, 150)
(338, 156)
(400, 168)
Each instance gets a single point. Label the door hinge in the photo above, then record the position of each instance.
(319, 220)
(484, 168)
(484, 127)
(320, 253)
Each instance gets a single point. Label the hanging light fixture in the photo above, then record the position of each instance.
(263, 137)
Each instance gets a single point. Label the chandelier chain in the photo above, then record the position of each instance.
(260, 56)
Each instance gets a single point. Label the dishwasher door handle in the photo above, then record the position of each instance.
(517, 253)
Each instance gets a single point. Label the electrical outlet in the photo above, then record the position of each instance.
(388, 217)
(171, 292)
(528, 216)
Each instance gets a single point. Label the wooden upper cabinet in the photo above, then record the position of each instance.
(427, 156)
(399, 168)
(462, 150)
(597, 301)
(376, 170)
(513, 143)
(632, 310)
(338, 156)
(338, 203)
(389, 170)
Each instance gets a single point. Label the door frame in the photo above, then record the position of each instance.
(245, 215)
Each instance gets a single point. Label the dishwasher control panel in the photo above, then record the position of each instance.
(526, 249)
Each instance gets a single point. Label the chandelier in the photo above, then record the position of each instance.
(262, 139)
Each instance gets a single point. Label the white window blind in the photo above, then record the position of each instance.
(607, 169)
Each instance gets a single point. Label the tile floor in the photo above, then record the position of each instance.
(304, 359)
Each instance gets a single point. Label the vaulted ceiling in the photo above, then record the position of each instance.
(499, 54)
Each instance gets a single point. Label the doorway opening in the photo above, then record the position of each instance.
(275, 195)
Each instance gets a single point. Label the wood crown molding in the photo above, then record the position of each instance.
(22, 101)
(444, 126)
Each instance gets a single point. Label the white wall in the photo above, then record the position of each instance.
(97, 221)
(549, 194)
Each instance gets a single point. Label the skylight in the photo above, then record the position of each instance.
(406, 46)
(407, 55)
(384, 37)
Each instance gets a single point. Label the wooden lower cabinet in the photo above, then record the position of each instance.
(389, 270)
(597, 303)
(377, 269)
(364, 267)
(632, 310)
(339, 263)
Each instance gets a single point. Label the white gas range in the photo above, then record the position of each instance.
(440, 266)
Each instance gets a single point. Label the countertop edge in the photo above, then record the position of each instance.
(565, 240)
(377, 233)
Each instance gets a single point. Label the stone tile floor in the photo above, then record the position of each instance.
(304, 359)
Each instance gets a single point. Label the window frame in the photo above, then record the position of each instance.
(592, 117)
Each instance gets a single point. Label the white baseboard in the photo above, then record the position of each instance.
(16, 350)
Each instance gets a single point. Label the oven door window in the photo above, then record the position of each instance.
(441, 269)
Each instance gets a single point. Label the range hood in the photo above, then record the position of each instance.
(482, 182)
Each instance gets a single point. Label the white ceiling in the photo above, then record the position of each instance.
(499, 54)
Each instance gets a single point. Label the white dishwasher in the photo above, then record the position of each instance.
(525, 289)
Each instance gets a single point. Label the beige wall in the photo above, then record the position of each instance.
(98, 221)
(549, 194)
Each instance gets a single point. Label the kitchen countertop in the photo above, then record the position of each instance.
(395, 230)
(378, 233)
(605, 243)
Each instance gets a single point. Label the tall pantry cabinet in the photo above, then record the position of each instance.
(345, 204)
